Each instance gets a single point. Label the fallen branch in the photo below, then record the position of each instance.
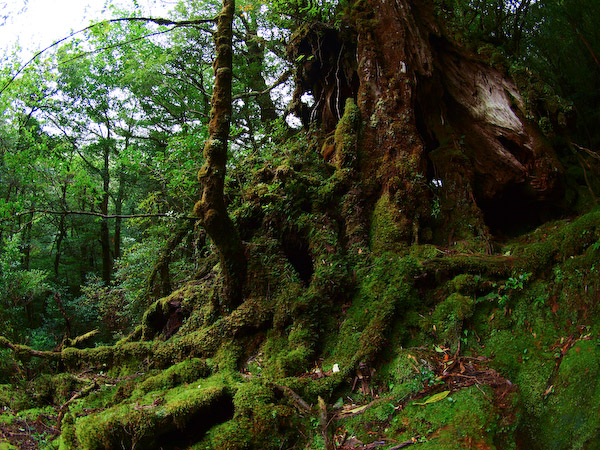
(323, 423)
(404, 444)
(293, 397)
(79, 339)
(63, 408)
(21, 351)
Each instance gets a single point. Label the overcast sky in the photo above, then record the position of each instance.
(35, 24)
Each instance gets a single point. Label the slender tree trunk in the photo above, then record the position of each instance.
(159, 281)
(119, 205)
(84, 249)
(118, 212)
(104, 230)
(62, 232)
(256, 80)
(27, 244)
(6, 200)
(211, 209)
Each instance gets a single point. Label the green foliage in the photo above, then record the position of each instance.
(306, 11)
(21, 293)
(425, 378)
(538, 37)
(504, 290)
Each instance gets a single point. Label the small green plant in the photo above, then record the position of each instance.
(558, 275)
(425, 378)
(465, 337)
(436, 208)
(502, 294)
(385, 411)
(517, 282)
(540, 301)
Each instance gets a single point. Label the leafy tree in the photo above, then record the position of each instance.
(374, 245)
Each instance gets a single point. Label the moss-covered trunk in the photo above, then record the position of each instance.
(256, 81)
(446, 141)
(211, 209)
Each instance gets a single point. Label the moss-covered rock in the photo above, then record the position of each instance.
(569, 416)
(449, 315)
(465, 419)
(388, 228)
(156, 415)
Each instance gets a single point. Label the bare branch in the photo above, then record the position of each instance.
(158, 21)
(282, 79)
(103, 216)
(109, 47)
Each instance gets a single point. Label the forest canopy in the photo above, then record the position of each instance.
(310, 224)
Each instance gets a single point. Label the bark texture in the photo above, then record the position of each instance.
(444, 140)
(211, 209)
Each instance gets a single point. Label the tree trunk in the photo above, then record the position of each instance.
(255, 79)
(445, 147)
(104, 230)
(118, 212)
(159, 281)
(62, 232)
(211, 209)
(27, 244)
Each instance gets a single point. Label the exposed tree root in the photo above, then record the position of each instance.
(294, 398)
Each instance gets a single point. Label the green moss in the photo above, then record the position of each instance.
(184, 372)
(346, 136)
(507, 349)
(386, 290)
(532, 379)
(35, 414)
(232, 435)
(67, 440)
(465, 284)
(96, 357)
(424, 252)
(558, 241)
(449, 315)
(518, 357)
(54, 389)
(103, 397)
(259, 421)
(157, 413)
(294, 357)
(387, 226)
(571, 418)
(464, 419)
(14, 397)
